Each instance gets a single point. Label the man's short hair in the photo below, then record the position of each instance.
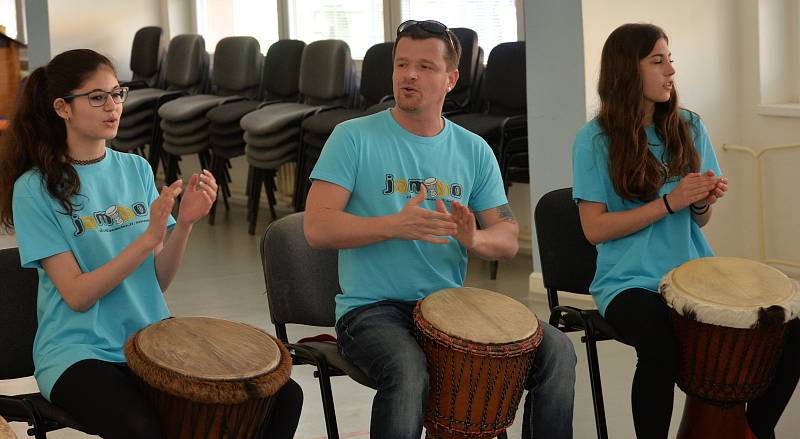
(450, 40)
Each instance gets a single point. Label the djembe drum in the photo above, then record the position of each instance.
(729, 317)
(207, 377)
(479, 346)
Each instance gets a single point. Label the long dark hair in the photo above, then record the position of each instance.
(37, 137)
(635, 172)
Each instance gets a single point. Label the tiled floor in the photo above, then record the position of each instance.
(221, 276)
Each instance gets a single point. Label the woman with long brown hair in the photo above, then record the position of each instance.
(93, 224)
(646, 178)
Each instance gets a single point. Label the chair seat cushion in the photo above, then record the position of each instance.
(269, 154)
(141, 97)
(270, 164)
(188, 139)
(479, 123)
(185, 149)
(185, 128)
(231, 112)
(332, 356)
(49, 411)
(189, 107)
(135, 131)
(272, 140)
(131, 119)
(132, 143)
(225, 130)
(227, 152)
(275, 117)
(227, 141)
(326, 121)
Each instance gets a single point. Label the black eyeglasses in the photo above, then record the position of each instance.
(430, 26)
(98, 98)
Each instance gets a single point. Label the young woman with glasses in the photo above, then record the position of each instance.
(646, 179)
(91, 220)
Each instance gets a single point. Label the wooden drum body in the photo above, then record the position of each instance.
(207, 377)
(729, 317)
(479, 346)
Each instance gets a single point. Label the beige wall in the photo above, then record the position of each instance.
(106, 27)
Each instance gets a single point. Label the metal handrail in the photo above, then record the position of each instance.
(760, 198)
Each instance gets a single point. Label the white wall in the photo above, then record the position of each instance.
(757, 26)
(106, 27)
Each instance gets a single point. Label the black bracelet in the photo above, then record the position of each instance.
(666, 203)
(699, 210)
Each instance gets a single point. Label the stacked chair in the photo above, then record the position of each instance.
(279, 83)
(502, 115)
(376, 87)
(470, 68)
(186, 68)
(273, 133)
(236, 76)
(146, 55)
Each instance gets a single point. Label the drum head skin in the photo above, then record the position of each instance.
(209, 360)
(479, 316)
(731, 292)
(211, 349)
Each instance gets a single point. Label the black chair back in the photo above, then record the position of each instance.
(376, 73)
(504, 80)
(561, 238)
(281, 78)
(302, 282)
(18, 321)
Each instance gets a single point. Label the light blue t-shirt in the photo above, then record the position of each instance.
(113, 209)
(383, 166)
(640, 259)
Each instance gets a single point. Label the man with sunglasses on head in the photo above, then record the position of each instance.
(398, 193)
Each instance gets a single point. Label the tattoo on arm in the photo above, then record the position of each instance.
(506, 214)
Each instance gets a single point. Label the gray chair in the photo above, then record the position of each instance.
(236, 76)
(302, 284)
(18, 324)
(376, 87)
(279, 83)
(273, 133)
(186, 67)
(146, 54)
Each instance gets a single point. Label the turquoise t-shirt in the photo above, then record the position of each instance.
(640, 259)
(383, 166)
(113, 210)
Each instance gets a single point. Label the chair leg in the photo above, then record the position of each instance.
(212, 214)
(328, 407)
(269, 186)
(255, 199)
(594, 380)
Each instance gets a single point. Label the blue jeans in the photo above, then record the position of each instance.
(379, 340)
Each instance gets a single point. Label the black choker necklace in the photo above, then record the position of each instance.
(86, 162)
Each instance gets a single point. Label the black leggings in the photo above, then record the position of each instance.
(642, 319)
(105, 398)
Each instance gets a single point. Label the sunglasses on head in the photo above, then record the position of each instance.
(430, 26)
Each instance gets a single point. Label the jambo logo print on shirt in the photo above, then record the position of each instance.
(434, 188)
(113, 218)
